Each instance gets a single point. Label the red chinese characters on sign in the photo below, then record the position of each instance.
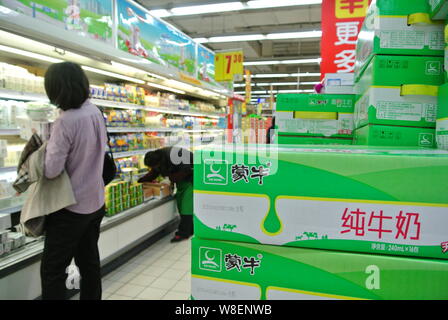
(407, 224)
(341, 23)
(444, 246)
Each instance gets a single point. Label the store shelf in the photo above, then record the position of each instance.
(130, 129)
(131, 153)
(9, 132)
(23, 96)
(125, 105)
(34, 246)
(7, 169)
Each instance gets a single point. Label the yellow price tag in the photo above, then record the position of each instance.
(228, 64)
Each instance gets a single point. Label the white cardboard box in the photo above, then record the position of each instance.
(339, 79)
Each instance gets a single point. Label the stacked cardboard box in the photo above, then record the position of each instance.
(120, 196)
(440, 11)
(399, 67)
(314, 118)
(339, 83)
(350, 225)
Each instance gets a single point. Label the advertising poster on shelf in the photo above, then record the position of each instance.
(89, 18)
(141, 34)
(206, 64)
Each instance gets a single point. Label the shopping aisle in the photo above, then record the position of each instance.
(161, 272)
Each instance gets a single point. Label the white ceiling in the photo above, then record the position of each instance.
(271, 20)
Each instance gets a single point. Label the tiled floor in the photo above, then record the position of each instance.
(161, 272)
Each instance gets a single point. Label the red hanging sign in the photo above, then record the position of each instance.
(341, 23)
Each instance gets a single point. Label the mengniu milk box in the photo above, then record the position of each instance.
(399, 91)
(318, 115)
(398, 27)
(349, 198)
(224, 270)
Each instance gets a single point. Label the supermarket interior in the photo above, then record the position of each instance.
(259, 150)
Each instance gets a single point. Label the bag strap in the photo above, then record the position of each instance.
(107, 133)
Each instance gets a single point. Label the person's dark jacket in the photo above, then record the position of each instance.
(169, 165)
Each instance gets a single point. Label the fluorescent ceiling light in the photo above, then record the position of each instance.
(159, 86)
(294, 35)
(247, 37)
(257, 37)
(257, 4)
(135, 70)
(112, 74)
(207, 8)
(29, 54)
(230, 6)
(160, 13)
(275, 62)
(276, 84)
(277, 91)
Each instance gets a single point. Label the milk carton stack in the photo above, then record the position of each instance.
(315, 118)
(302, 222)
(339, 83)
(439, 13)
(398, 71)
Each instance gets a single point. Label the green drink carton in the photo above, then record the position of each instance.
(378, 200)
(399, 90)
(222, 270)
(438, 9)
(377, 135)
(326, 115)
(398, 27)
(442, 118)
(290, 139)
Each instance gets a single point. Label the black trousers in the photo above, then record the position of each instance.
(71, 235)
(185, 228)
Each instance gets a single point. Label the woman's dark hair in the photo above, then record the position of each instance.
(66, 85)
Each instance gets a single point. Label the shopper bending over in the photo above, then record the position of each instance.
(77, 144)
(176, 164)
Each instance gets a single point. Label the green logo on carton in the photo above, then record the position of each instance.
(216, 172)
(426, 140)
(433, 68)
(210, 259)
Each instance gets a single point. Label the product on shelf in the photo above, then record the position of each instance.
(19, 79)
(339, 83)
(10, 110)
(442, 117)
(39, 111)
(398, 27)
(5, 221)
(291, 139)
(223, 270)
(121, 196)
(324, 115)
(155, 120)
(399, 90)
(352, 198)
(159, 190)
(378, 135)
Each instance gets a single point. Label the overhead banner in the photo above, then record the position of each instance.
(341, 23)
(88, 18)
(143, 35)
(229, 65)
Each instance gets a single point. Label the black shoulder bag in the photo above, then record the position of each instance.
(109, 168)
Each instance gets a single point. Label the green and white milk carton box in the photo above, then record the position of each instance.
(293, 139)
(398, 27)
(438, 9)
(399, 90)
(324, 115)
(377, 135)
(351, 198)
(442, 118)
(223, 270)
